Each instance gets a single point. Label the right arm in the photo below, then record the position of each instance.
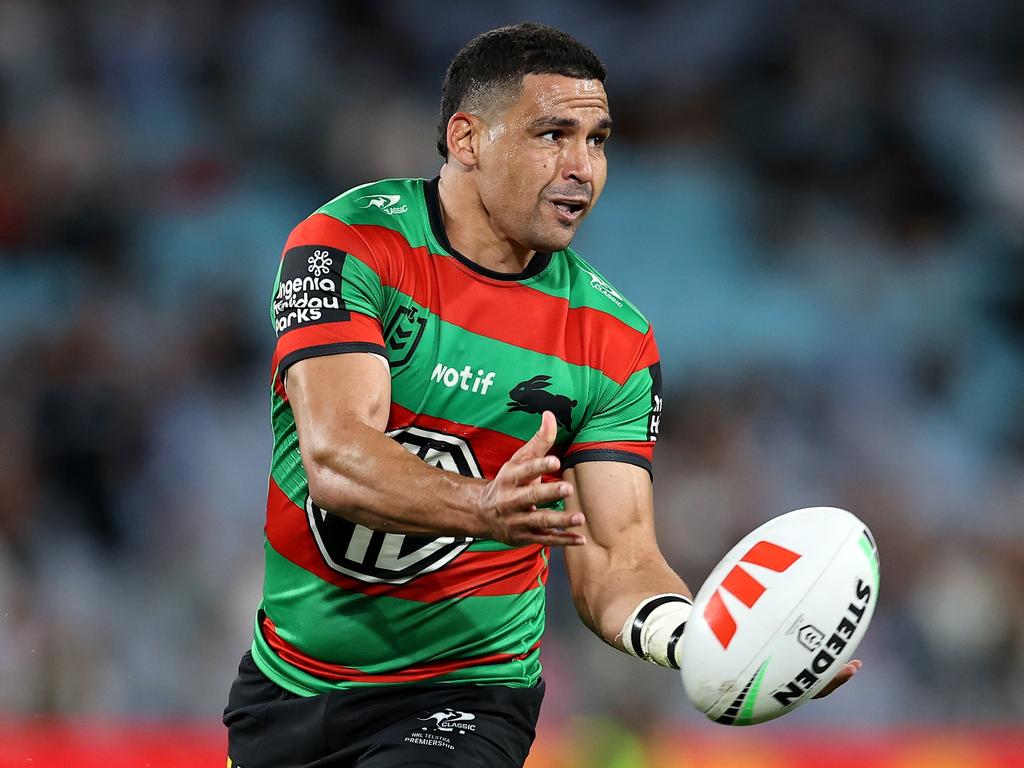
(341, 404)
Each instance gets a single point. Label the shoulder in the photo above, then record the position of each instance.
(372, 221)
(396, 204)
(590, 289)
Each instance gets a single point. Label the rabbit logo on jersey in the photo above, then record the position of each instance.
(532, 396)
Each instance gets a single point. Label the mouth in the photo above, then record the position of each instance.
(569, 210)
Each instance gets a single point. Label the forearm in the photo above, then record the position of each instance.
(368, 478)
(621, 567)
(604, 602)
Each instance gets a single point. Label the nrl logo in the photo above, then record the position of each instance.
(403, 334)
(385, 203)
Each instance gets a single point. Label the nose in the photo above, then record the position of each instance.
(577, 165)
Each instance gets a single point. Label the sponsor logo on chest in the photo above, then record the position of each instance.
(467, 378)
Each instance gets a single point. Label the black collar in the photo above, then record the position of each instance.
(535, 267)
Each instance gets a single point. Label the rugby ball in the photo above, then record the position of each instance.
(780, 615)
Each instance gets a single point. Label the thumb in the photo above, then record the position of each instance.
(543, 439)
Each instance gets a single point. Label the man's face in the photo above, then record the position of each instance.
(541, 161)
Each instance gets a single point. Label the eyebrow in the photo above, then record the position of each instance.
(550, 121)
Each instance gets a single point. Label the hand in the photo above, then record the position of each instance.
(509, 501)
(843, 676)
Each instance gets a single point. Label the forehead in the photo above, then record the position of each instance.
(559, 95)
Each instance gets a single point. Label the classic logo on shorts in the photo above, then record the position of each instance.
(442, 725)
(452, 720)
(385, 203)
(395, 558)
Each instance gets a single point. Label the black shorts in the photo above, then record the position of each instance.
(383, 727)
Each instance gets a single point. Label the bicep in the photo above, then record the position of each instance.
(332, 395)
(617, 502)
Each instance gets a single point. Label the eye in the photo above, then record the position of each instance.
(597, 141)
(550, 135)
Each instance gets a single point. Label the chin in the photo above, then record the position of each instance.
(554, 241)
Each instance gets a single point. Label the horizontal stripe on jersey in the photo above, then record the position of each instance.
(467, 627)
(413, 673)
(375, 637)
(358, 334)
(512, 673)
(474, 573)
(415, 272)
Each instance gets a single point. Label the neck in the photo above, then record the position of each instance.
(470, 228)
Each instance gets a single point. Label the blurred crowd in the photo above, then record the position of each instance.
(819, 206)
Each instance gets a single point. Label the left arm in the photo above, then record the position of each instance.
(620, 566)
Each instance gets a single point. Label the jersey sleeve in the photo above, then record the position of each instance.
(328, 296)
(625, 426)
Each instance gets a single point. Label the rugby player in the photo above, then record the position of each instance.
(454, 392)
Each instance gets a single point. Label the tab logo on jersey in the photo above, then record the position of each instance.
(465, 379)
(309, 291)
(385, 203)
(395, 558)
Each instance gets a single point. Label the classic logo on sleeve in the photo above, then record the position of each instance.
(310, 288)
(388, 204)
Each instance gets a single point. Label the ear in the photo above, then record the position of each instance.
(464, 138)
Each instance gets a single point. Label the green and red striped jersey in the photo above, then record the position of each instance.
(475, 357)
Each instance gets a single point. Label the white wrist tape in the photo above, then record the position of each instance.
(652, 631)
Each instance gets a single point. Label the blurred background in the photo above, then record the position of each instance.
(820, 206)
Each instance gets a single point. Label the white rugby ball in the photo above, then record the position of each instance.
(780, 615)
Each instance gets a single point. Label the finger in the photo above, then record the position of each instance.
(550, 537)
(842, 677)
(542, 440)
(527, 471)
(540, 494)
(560, 539)
(548, 518)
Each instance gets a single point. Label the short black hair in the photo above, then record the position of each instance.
(499, 59)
